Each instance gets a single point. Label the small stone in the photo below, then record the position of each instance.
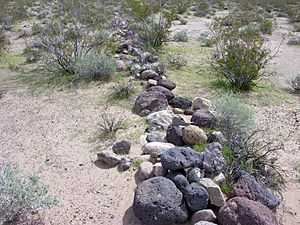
(193, 135)
(122, 147)
(147, 158)
(203, 215)
(189, 112)
(157, 147)
(125, 163)
(156, 137)
(201, 103)
(179, 121)
(219, 179)
(181, 103)
(169, 95)
(205, 223)
(145, 171)
(167, 84)
(121, 66)
(143, 140)
(109, 158)
(148, 74)
(158, 170)
(216, 196)
(179, 179)
(196, 197)
(151, 83)
(177, 111)
(215, 136)
(135, 69)
(194, 175)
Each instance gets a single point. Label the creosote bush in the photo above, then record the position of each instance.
(239, 54)
(21, 195)
(295, 84)
(95, 67)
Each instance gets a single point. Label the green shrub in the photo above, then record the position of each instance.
(199, 147)
(95, 67)
(239, 55)
(33, 52)
(122, 91)
(176, 61)
(295, 83)
(181, 36)
(21, 195)
(206, 40)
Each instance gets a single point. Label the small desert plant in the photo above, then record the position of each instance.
(206, 40)
(136, 163)
(234, 117)
(181, 36)
(3, 40)
(33, 52)
(295, 83)
(95, 67)
(110, 123)
(122, 91)
(294, 41)
(176, 61)
(21, 195)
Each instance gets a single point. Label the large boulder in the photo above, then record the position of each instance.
(157, 201)
(109, 158)
(174, 135)
(193, 135)
(181, 103)
(204, 118)
(157, 147)
(213, 159)
(180, 158)
(243, 211)
(160, 120)
(248, 187)
(149, 102)
(196, 197)
(179, 179)
(169, 95)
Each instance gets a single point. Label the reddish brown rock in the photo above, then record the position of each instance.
(243, 211)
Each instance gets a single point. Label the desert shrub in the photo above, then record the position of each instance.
(95, 67)
(176, 61)
(122, 91)
(295, 83)
(239, 55)
(297, 27)
(206, 39)
(181, 36)
(234, 117)
(183, 21)
(3, 40)
(20, 194)
(110, 123)
(33, 52)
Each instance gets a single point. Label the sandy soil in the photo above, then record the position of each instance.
(55, 133)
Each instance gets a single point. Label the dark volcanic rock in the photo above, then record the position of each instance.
(179, 179)
(196, 197)
(157, 201)
(181, 103)
(148, 74)
(149, 102)
(122, 147)
(169, 95)
(174, 135)
(167, 84)
(204, 118)
(243, 211)
(180, 158)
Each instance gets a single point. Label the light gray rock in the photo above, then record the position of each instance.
(109, 158)
(216, 196)
(157, 147)
(158, 170)
(201, 103)
(160, 120)
(194, 175)
(145, 171)
(203, 215)
(213, 159)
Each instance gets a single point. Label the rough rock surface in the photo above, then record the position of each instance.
(148, 74)
(213, 159)
(125, 163)
(155, 137)
(158, 169)
(192, 135)
(160, 120)
(157, 147)
(149, 102)
(157, 201)
(181, 103)
(122, 147)
(145, 171)
(194, 175)
(179, 179)
(196, 197)
(167, 84)
(248, 187)
(204, 118)
(201, 103)
(174, 135)
(109, 158)
(243, 211)
(180, 158)
(169, 95)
